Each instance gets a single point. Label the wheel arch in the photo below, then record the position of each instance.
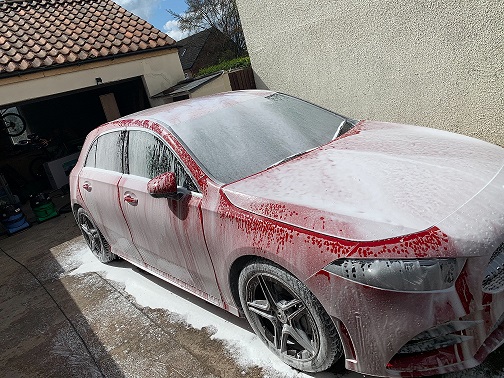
(245, 258)
(75, 209)
(234, 274)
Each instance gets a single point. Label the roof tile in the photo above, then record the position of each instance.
(71, 57)
(10, 67)
(50, 33)
(23, 65)
(48, 61)
(29, 56)
(17, 58)
(11, 52)
(104, 51)
(36, 62)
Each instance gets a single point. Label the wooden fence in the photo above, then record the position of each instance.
(242, 79)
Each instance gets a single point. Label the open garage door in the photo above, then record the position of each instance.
(63, 121)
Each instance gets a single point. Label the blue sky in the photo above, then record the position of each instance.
(154, 11)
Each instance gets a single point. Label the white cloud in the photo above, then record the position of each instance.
(143, 9)
(173, 30)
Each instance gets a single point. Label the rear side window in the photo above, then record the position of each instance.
(148, 157)
(106, 152)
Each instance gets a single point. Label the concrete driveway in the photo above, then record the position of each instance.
(63, 314)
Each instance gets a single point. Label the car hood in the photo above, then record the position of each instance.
(378, 181)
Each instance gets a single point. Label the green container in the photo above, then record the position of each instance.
(45, 212)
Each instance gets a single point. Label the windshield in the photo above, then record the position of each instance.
(250, 136)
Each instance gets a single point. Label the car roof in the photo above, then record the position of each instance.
(187, 110)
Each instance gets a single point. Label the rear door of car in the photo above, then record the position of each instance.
(168, 233)
(98, 181)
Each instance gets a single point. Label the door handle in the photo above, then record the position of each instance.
(130, 199)
(87, 187)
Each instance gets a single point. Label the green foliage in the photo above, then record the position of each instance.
(227, 65)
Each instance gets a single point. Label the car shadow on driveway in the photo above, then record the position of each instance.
(41, 325)
(54, 324)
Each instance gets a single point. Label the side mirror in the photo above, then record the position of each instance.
(163, 186)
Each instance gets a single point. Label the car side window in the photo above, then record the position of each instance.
(148, 157)
(109, 151)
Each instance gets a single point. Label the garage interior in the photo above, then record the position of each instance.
(63, 121)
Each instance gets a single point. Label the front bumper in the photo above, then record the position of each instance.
(389, 333)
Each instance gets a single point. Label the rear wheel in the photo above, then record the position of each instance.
(94, 238)
(288, 318)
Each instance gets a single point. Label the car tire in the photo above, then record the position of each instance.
(277, 303)
(94, 238)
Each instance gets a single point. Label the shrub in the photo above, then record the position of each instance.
(227, 65)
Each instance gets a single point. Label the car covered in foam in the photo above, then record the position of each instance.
(377, 243)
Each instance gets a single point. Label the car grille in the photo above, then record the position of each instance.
(494, 274)
(438, 337)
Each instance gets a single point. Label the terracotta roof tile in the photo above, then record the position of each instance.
(71, 57)
(36, 62)
(23, 65)
(17, 58)
(48, 61)
(10, 67)
(50, 33)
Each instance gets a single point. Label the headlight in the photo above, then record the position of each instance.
(400, 275)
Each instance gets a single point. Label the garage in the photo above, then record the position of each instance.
(65, 68)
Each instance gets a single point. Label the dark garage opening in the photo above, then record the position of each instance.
(63, 120)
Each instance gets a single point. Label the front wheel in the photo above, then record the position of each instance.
(94, 238)
(288, 318)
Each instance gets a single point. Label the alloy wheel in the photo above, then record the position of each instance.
(285, 321)
(91, 234)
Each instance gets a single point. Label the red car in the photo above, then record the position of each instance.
(378, 243)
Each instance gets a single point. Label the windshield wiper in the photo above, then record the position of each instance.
(290, 157)
(344, 127)
(339, 129)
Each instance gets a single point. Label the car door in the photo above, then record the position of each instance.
(98, 181)
(167, 232)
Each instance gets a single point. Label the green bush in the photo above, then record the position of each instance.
(227, 65)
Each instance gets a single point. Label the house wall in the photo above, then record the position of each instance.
(160, 70)
(437, 64)
(219, 84)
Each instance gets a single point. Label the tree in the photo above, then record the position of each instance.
(220, 14)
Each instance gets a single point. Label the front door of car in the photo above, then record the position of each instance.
(98, 182)
(168, 233)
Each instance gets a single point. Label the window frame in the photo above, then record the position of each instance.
(176, 156)
(121, 130)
